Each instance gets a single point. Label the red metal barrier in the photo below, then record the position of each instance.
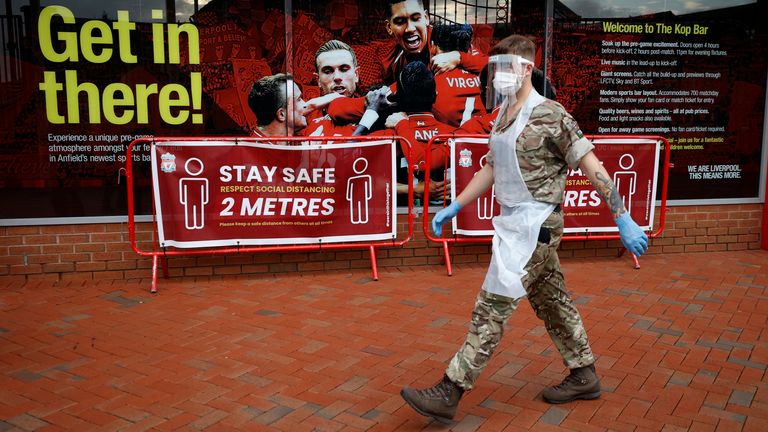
(158, 253)
(443, 140)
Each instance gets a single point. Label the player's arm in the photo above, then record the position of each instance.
(346, 110)
(473, 61)
(376, 102)
(320, 102)
(472, 126)
(349, 110)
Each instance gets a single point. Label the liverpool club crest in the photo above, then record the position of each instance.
(168, 164)
(465, 158)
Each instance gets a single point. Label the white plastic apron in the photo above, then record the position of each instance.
(517, 228)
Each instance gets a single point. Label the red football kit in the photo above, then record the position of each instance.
(458, 97)
(325, 126)
(418, 129)
(349, 109)
(479, 125)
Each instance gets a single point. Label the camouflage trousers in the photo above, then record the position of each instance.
(547, 294)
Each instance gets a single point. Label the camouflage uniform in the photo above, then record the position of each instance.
(549, 143)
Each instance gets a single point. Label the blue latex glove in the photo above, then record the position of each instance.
(633, 238)
(444, 216)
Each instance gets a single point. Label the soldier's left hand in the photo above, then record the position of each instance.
(632, 237)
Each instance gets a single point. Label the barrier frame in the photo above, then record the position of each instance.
(160, 255)
(442, 139)
(764, 230)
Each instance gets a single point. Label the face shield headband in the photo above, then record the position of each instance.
(506, 73)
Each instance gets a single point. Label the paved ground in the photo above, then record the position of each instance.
(682, 345)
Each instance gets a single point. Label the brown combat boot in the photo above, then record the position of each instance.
(582, 383)
(439, 402)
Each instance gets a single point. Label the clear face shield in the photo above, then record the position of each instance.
(506, 73)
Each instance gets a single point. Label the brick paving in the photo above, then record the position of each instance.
(681, 345)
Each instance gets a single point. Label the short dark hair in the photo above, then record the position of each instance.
(515, 44)
(335, 45)
(267, 95)
(452, 37)
(416, 88)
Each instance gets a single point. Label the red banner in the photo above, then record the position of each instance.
(633, 162)
(634, 165)
(467, 158)
(230, 193)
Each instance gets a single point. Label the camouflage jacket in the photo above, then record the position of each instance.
(547, 146)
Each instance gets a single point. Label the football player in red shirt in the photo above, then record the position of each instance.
(458, 90)
(276, 101)
(408, 24)
(418, 125)
(337, 76)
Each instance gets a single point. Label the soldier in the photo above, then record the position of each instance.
(415, 96)
(483, 123)
(533, 143)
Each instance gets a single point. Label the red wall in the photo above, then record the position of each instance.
(102, 251)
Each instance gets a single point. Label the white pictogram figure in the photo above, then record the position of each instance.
(487, 207)
(193, 194)
(359, 192)
(625, 181)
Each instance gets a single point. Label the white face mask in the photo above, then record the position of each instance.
(507, 83)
